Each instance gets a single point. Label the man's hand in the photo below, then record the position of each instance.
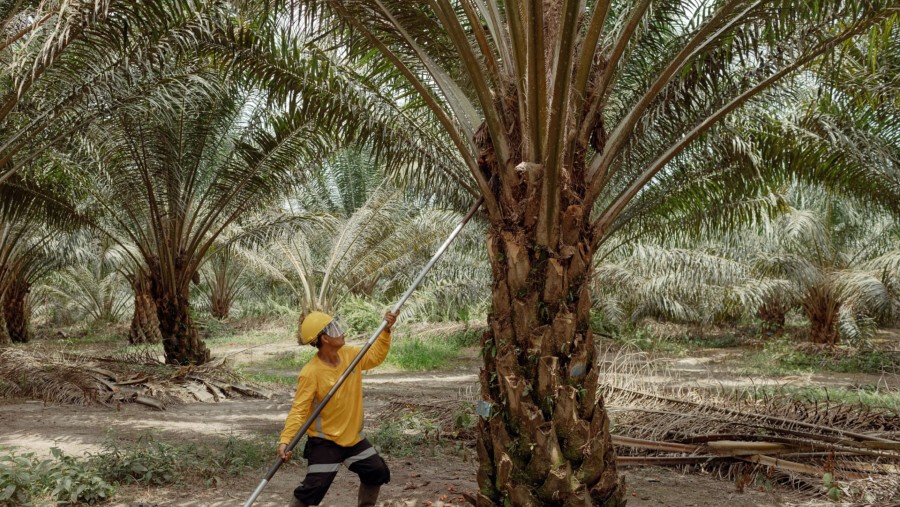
(390, 318)
(285, 456)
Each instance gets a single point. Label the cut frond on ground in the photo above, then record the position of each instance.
(138, 378)
(823, 448)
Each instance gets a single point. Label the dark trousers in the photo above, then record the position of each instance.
(324, 460)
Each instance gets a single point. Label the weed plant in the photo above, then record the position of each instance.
(26, 480)
(867, 395)
(415, 431)
(782, 357)
(681, 345)
(150, 461)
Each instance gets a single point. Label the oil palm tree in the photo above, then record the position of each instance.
(565, 114)
(170, 178)
(228, 271)
(68, 62)
(94, 288)
(842, 261)
(15, 245)
(223, 275)
(28, 252)
(33, 212)
(456, 288)
(366, 253)
(352, 233)
(703, 284)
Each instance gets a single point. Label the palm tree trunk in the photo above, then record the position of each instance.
(16, 312)
(144, 321)
(822, 308)
(220, 297)
(546, 439)
(221, 304)
(772, 314)
(4, 333)
(181, 341)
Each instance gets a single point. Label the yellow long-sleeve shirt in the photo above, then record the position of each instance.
(341, 419)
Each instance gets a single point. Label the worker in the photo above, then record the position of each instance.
(336, 435)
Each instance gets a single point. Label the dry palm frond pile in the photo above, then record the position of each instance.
(844, 451)
(81, 380)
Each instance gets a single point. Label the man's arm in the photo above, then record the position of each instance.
(379, 350)
(306, 391)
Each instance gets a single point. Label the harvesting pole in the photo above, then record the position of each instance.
(315, 413)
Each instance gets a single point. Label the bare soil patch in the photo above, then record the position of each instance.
(436, 476)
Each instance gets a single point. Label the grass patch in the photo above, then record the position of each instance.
(280, 368)
(150, 461)
(406, 436)
(272, 378)
(674, 345)
(143, 349)
(248, 338)
(782, 357)
(100, 337)
(272, 365)
(432, 350)
(410, 354)
(417, 354)
(470, 337)
(410, 432)
(869, 396)
(291, 361)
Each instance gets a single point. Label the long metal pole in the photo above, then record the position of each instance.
(362, 352)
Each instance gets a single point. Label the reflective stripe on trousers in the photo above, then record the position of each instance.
(325, 458)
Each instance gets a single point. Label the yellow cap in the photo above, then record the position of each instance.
(312, 325)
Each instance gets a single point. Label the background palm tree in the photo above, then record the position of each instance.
(29, 253)
(223, 276)
(68, 62)
(33, 215)
(704, 284)
(568, 115)
(834, 259)
(368, 253)
(353, 237)
(169, 179)
(842, 262)
(95, 288)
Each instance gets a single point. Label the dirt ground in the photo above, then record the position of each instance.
(435, 478)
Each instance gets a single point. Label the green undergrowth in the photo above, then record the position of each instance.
(287, 379)
(249, 338)
(427, 351)
(868, 395)
(430, 351)
(26, 479)
(417, 433)
(782, 357)
(151, 461)
(416, 354)
(678, 345)
(281, 368)
(85, 332)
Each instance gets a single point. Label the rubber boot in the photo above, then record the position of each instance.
(368, 495)
(297, 503)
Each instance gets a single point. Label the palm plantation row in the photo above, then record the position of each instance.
(687, 161)
(795, 261)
